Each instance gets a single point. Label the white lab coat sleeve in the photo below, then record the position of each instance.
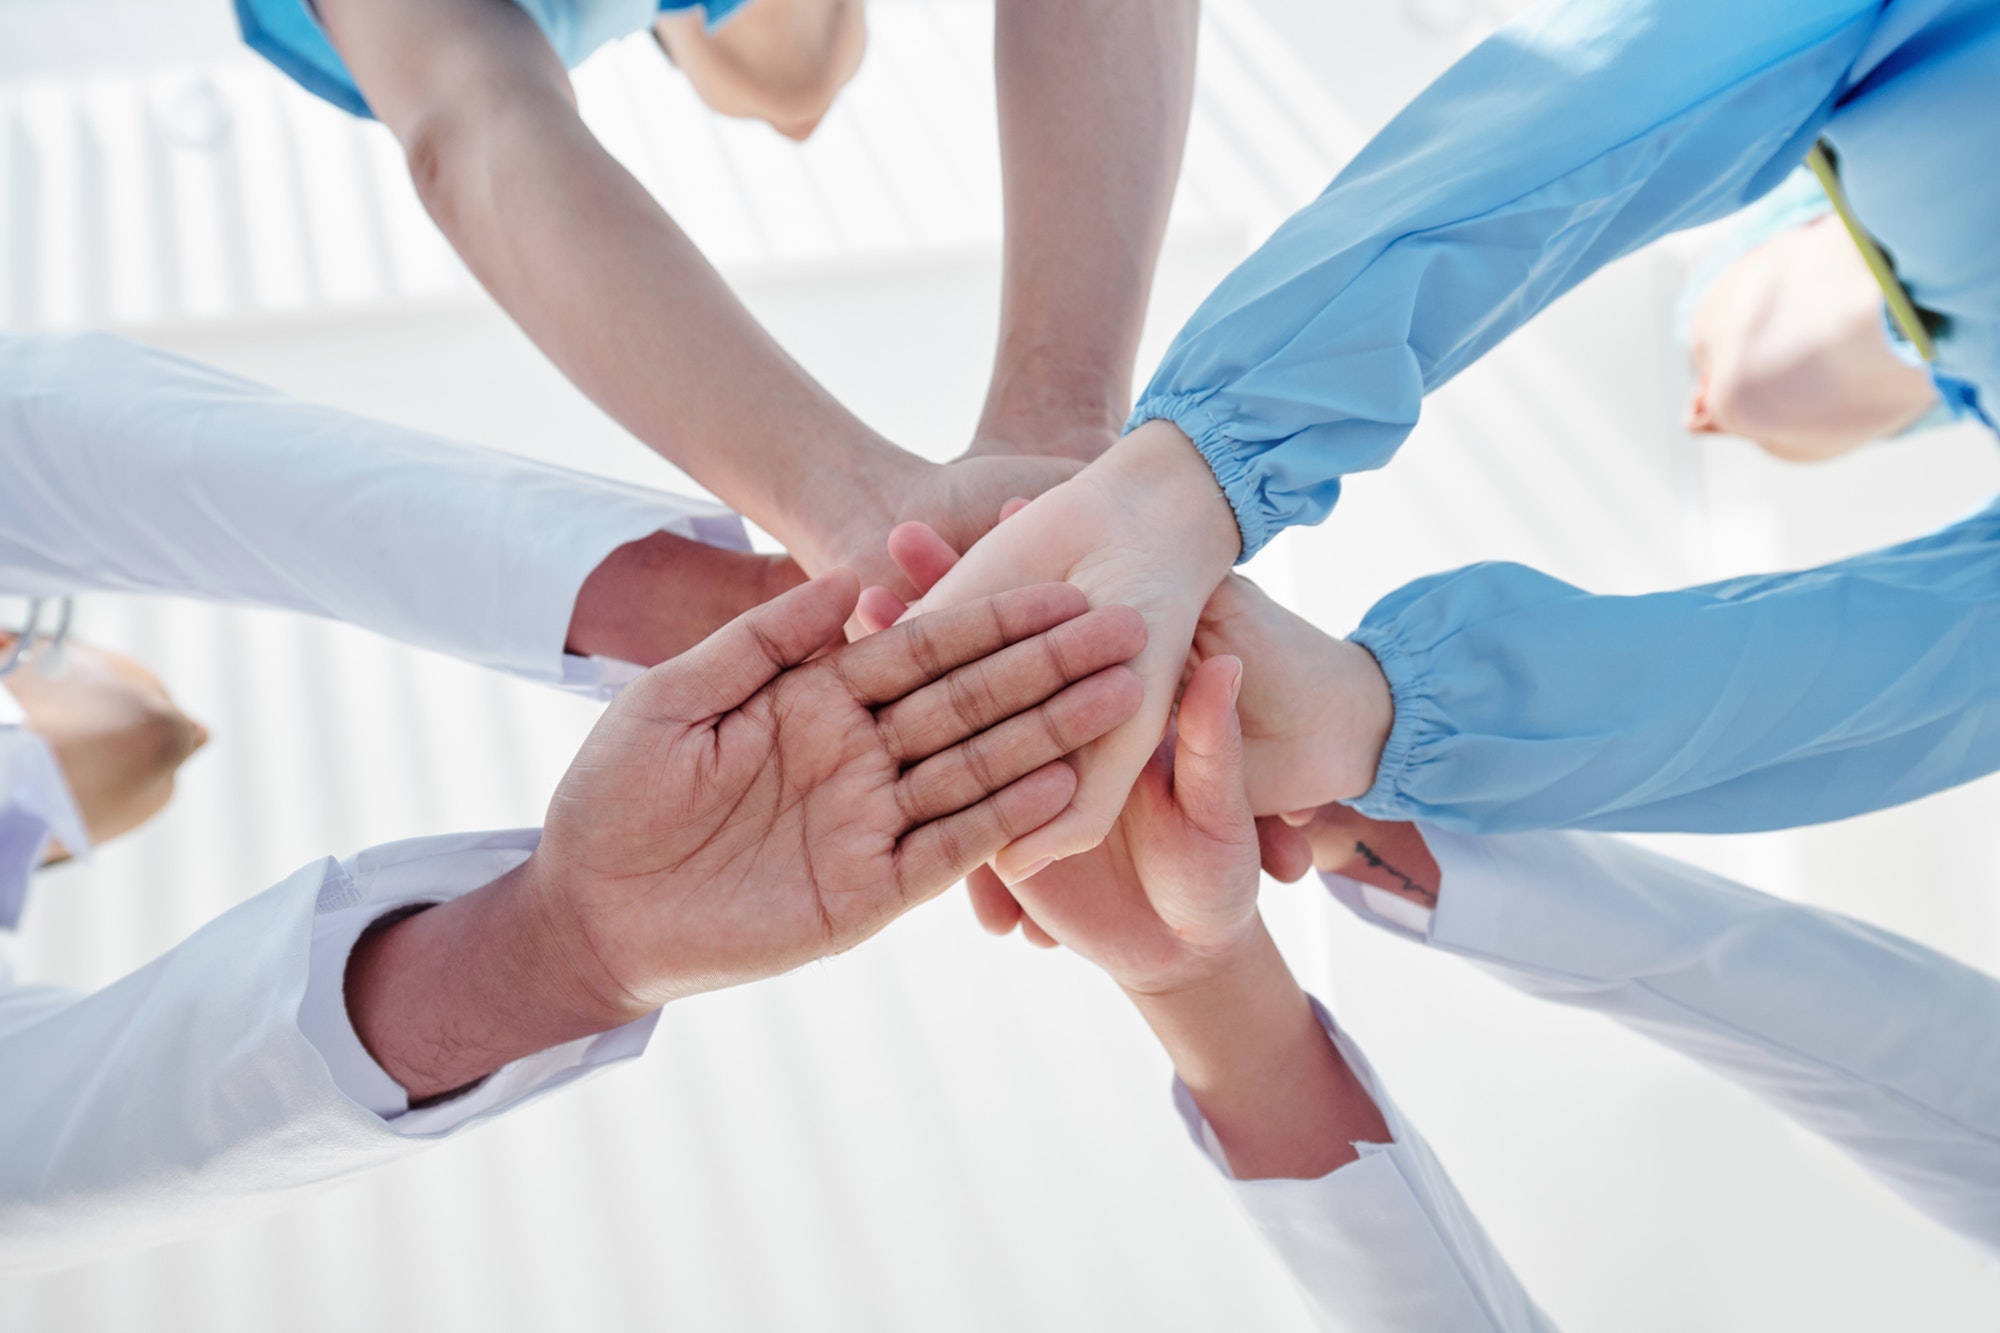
(1885, 1048)
(1384, 1244)
(191, 1091)
(123, 467)
(35, 806)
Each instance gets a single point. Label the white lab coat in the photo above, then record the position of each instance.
(224, 1075)
(1888, 1050)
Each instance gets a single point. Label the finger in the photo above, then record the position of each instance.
(730, 665)
(1208, 752)
(944, 851)
(878, 609)
(885, 667)
(922, 555)
(968, 772)
(1011, 681)
(1035, 935)
(1012, 507)
(1285, 852)
(993, 903)
(1300, 818)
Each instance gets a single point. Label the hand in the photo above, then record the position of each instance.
(655, 598)
(1167, 905)
(117, 736)
(1171, 894)
(752, 810)
(1316, 710)
(1145, 526)
(763, 800)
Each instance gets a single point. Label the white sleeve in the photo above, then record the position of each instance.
(1885, 1048)
(191, 1090)
(122, 467)
(1384, 1244)
(35, 806)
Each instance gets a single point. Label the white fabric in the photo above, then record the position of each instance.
(1885, 1048)
(1888, 1050)
(122, 467)
(188, 1092)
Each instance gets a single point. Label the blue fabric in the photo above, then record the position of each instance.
(288, 34)
(1576, 134)
(1757, 703)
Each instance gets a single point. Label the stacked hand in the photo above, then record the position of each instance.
(767, 798)
(1315, 710)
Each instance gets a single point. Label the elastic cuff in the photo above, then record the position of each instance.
(1223, 453)
(1413, 717)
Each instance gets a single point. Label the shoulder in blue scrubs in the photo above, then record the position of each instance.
(288, 34)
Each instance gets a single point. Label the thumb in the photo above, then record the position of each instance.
(1208, 753)
(722, 671)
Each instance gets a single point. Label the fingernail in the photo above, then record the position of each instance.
(1032, 871)
(1236, 686)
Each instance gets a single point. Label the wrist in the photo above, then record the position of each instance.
(449, 995)
(654, 598)
(1158, 469)
(1044, 402)
(1200, 973)
(1357, 730)
(1217, 1021)
(862, 495)
(1274, 1089)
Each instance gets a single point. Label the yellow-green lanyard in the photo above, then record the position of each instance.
(1901, 308)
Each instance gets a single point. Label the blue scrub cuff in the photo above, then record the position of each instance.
(1225, 455)
(1417, 718)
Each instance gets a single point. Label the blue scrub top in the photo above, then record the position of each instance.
(1576, 134)
(288, 34)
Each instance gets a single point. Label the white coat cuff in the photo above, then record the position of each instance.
(429, 870)
(35, 806)
(1385, 1242)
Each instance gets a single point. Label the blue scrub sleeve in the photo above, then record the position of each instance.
(1576, 134)
(288, 34)
(1523, 702)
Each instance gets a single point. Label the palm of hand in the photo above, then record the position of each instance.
(769, 839)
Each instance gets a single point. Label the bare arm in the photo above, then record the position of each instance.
(1094, 98)
(1245, 1041)
(574, 248)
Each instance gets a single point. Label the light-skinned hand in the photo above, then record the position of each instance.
(1144, 526)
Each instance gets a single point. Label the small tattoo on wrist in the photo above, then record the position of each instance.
(1428, 897)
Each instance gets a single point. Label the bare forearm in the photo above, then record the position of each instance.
(445, 997)
(1094, 102)
(653, 599)
(588, 264)
(1267, 1078)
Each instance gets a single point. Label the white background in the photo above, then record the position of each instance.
(940, 1131)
